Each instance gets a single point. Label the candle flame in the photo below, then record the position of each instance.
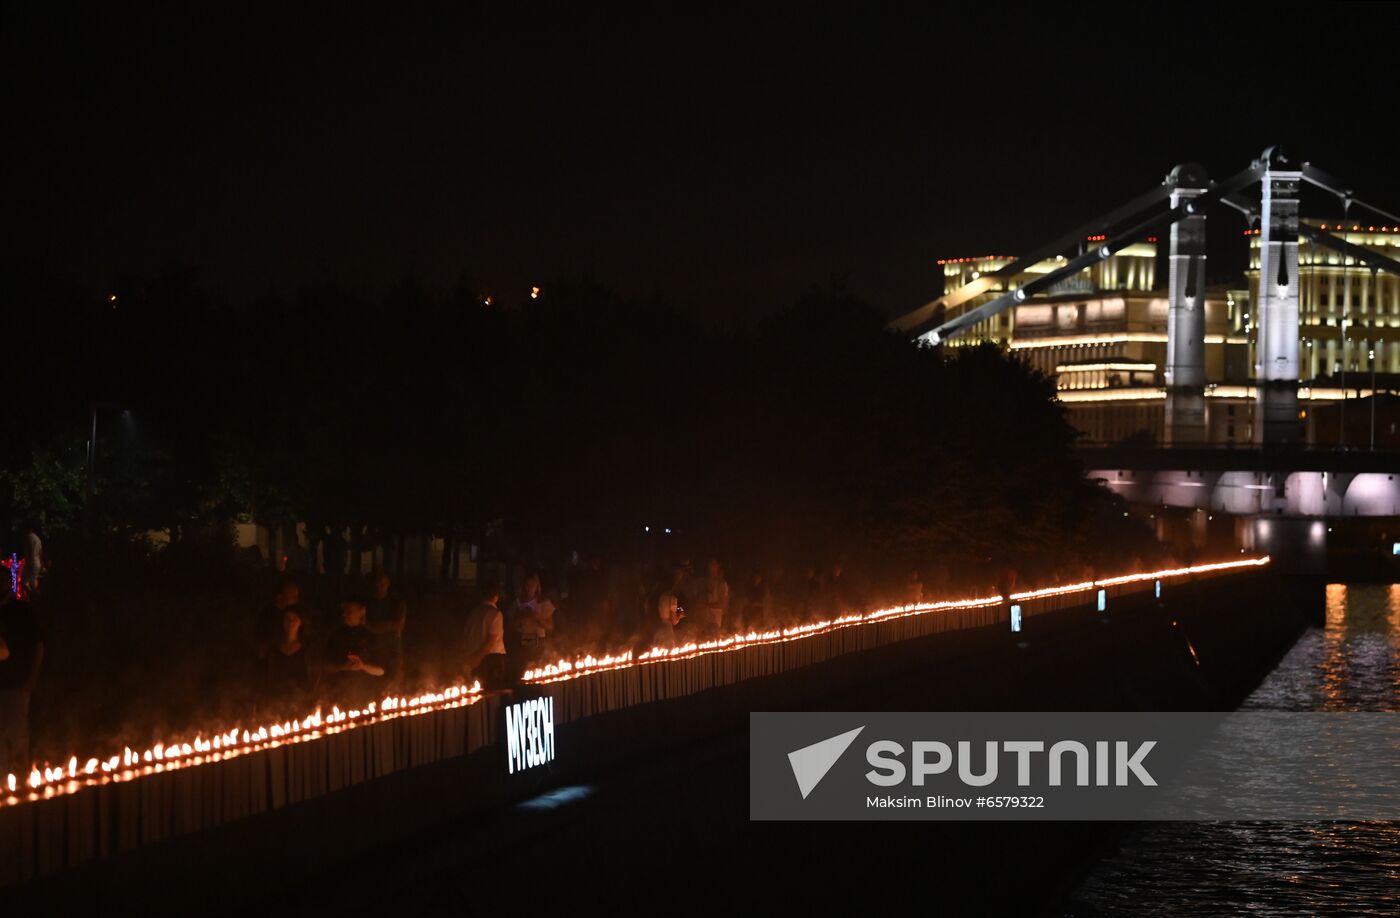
(48, 780)
(561, 670)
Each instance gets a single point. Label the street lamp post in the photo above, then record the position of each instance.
(1375, 302)
(1342, 412)
(1372, 354)
(1346, 308)
(92, 455)
(90, 484)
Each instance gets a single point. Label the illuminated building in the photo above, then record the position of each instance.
(1102, 336)
(1335, 292)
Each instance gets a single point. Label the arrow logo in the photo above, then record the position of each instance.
(811, 763)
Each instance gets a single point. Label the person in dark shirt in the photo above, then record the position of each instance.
(841, 596)
(289, 670)
(271, 622)
(352, 675)
(809, 595)
(587, 595)
(757, 612)
(385, 615)
(21, 657)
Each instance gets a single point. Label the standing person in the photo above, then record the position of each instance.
(677, 584)
(527, 626)
(809, 594)
(33, 558)
(840, 598)
(544, 615)
(640, 583)
(913, 589)
(289, 670)
(757, 603)
(940, 582)
(1005, 586)
(270, 621)
(780, 602)
(21, 657)
(669, 615)
(586, 595)
(715, 590)
(486, 645)
(352, 675)
(385, 615)
(1006, 582)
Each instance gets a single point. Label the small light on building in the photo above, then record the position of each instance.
(1015, 619)
(534, 293)
(1103, 600)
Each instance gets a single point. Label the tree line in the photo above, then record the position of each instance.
(574, 420)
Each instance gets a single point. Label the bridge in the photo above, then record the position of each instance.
(1275, 493)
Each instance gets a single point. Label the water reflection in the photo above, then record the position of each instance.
(1350, 664)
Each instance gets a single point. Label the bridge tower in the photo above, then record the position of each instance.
(1276, 352)
(1185, 371)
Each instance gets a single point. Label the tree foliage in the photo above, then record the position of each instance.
(574, 420)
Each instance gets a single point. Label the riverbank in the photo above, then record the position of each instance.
(667, 782)
(672, 829)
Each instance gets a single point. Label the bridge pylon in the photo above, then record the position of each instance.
(1276, 351)
(1185, 371)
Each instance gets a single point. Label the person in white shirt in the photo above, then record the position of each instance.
(33, 558)
(531, 623)
(716, 596)
(525, 613)
(669, 613)
(486, 645)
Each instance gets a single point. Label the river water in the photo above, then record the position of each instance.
(1268, 869)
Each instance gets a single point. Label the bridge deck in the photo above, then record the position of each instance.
(1238, 459)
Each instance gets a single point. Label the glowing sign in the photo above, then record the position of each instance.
(529, 734)
(16, 565)
(1103, 600)
(1015, 618)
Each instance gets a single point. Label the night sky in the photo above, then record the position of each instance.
(729, 165)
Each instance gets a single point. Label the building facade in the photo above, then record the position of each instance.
(1102, 336)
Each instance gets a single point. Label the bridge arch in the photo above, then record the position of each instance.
(1372, 494)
